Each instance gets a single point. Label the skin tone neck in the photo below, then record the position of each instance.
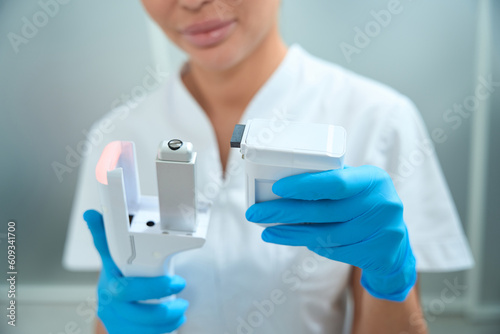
(225, 94)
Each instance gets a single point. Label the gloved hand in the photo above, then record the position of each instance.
(354, 215)
(118, 296)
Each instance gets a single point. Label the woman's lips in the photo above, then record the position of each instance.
(208, 33)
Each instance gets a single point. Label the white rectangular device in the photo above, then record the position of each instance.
(275, 149)
(144, 232)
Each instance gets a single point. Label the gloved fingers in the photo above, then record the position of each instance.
(165, 313)
(146, 288)
(332, 184)
(95, 224)
(318, 234)
(291, 211)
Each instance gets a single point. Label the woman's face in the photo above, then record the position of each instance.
(217, 34)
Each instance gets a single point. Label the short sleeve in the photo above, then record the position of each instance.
(407, 153)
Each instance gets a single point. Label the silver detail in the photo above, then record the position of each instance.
(175, 144)
(132, 256)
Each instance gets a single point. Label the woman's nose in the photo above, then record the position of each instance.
(195, 4)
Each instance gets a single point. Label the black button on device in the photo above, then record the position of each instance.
(150, 223)
(237, 135)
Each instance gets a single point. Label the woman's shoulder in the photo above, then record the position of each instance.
(348, 97)
(336, 81)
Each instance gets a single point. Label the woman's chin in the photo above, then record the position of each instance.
(217, 58)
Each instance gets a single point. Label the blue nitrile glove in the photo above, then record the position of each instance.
(355, 216)
(118, 296)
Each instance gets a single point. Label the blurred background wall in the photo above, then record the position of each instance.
(89, 55)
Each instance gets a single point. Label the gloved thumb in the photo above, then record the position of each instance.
(96, 226)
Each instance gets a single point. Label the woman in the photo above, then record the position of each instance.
(359, 237)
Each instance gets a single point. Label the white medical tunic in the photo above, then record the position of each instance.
(237, 283)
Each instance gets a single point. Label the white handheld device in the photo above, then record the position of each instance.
(276, 149)
(143, 232)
